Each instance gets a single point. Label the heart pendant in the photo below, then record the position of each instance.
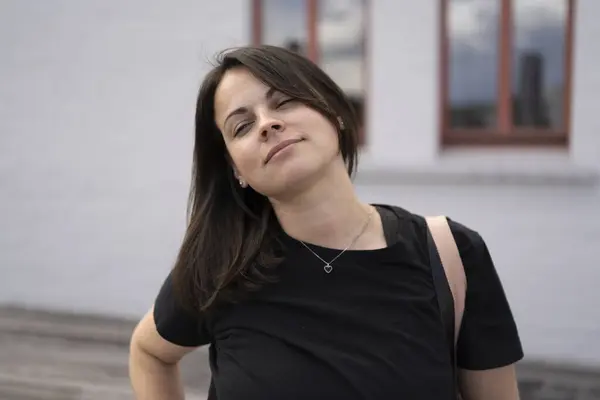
(328, 268)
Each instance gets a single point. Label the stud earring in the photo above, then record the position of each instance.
(243, 183)
(341, 123)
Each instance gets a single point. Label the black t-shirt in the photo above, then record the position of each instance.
(371, 329)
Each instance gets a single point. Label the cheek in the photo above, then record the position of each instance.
(326, 137)
(243, 158)
(323, 130)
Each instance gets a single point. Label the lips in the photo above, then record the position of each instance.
(280, 146)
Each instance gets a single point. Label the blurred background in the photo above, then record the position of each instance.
(483, 110)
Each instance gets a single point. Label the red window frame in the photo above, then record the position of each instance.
(504, 133)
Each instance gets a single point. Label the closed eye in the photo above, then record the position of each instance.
(241, 128)
(284, 102)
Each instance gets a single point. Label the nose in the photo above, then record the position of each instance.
(270, 125)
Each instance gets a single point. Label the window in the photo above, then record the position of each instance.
(506, 71)
(329, 32)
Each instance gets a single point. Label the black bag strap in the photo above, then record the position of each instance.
(391, 224)
(390, 219)
(445, 300)
(212, 391)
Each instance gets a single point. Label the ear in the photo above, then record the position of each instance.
(239, 178)
(236, 173)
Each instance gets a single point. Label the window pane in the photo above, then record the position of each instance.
(472, 62)
(341, 39)
(284, 23)
(538, 62)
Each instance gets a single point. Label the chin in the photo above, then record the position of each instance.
(291, 180)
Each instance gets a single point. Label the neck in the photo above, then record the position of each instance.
(328, 213)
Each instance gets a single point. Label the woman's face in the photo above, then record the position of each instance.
(278, 145)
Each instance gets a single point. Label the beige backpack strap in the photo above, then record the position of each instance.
(452, 263)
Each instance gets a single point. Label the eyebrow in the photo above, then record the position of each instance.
(243, 110)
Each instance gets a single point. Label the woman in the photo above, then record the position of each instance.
(293, 280)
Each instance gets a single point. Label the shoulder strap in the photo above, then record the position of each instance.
(390, 222)
(449, 281)
(449, 257)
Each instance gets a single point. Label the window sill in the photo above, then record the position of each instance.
(467, 168)
(520, 137)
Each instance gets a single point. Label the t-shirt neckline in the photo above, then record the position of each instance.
(329, 251)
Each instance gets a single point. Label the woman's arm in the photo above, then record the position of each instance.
(492, 384)
(153, 363)
(488, 344)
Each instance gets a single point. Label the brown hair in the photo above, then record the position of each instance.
(229, 247)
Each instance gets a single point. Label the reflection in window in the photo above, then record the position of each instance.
(505, 69)
(472, 29)
(285, 24)
(538, 62)
(340, 37)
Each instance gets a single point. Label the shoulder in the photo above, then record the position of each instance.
(472, 248)
(488, 336)
(483, 281)
(468, 240)
(174, 322)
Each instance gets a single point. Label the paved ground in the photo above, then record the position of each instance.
(62, 357)
(53, 369)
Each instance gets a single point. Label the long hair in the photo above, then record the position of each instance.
(230, 244)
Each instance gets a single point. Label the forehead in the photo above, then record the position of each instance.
(238, 88)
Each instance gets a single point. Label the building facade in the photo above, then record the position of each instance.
(483, 111)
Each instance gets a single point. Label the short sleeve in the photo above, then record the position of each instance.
(488, 337)
(174, 323)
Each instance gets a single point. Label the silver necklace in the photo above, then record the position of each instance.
(328, 267)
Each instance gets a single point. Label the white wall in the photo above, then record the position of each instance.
(539, 210)
(96, 114)
(97, 104)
